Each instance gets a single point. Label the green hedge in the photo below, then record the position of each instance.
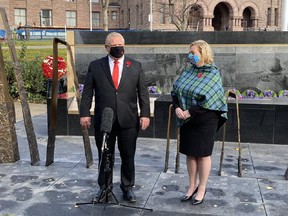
(30, 63)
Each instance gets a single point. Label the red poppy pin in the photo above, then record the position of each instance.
(200, 75)
(128, 63)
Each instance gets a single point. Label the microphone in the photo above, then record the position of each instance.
(107, 120)
(106, 124)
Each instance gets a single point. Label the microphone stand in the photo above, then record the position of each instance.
(105, 191)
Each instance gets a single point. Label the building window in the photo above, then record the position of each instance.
(20, 17)
(165, 14)
(129, 18)
(276, 17)
(71, 18)
(162, 15)
(70, 0)
(46, 18)
(137, 15)
(114, 15)
(268, 14)
(94, 1)
(170, 9)
(141, 14)
(122, 19)
(96, 19)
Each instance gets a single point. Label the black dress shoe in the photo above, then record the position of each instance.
(129, 196)
(186, 198)
(198, 202)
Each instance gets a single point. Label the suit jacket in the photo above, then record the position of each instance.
(123, 102)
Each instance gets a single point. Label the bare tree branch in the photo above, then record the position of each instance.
(179, 12)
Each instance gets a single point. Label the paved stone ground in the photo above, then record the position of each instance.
(54, 190)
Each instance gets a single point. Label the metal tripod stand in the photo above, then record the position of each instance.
(107, 189)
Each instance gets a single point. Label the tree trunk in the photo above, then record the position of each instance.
(105, 5)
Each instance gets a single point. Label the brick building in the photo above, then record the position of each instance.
(200, 15)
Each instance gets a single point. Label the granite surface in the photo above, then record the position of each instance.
(54, 190)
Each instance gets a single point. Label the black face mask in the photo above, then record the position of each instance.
(117, 51)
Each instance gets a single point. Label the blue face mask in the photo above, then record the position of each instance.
(194, 59)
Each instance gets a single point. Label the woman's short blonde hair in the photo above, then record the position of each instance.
(205, 50)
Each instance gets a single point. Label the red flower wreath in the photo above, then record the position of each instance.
(47, 67)
(128, 63)
(200, 75)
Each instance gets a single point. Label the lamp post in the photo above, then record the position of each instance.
(151, 16)
(284, 15)
(90, 13)
(40, 17)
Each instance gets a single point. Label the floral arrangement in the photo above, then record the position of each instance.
(154, 90)
(62, 96)
(249, 93)
(47, 67)
(81, 87)
(283, 93)
(237, 92)
(268, 93)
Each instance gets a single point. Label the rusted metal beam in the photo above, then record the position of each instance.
(167, 155)
(33, 147)
(9, 151)
(233, 94)
(54, 102)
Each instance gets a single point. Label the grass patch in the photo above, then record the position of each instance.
(35, 48)
(33, 53)
(30, 43)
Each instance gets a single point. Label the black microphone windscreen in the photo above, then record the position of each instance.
(107, 120)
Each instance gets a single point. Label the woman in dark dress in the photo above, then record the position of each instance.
(201, 109)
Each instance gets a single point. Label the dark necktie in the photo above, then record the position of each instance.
(115, 75)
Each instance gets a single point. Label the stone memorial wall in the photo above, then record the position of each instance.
(246, 60)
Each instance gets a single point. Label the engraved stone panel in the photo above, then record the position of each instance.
(258, 67)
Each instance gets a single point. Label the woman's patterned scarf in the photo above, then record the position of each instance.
(201, 86)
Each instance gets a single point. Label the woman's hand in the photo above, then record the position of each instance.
(187, 114)
(179, 113)
(182, 114)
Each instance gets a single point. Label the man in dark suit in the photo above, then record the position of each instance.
(117, 81)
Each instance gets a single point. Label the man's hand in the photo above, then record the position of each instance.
(85, 122)
(144, 122)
